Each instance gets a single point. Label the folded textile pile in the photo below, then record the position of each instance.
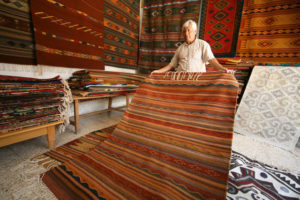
(98, 82)
(26, 102)
(242, 70)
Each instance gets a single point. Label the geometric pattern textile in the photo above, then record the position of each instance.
(219, 25)
(173, 142)
(161, 32)
(121, 33)
(269, 32)
(16, 34)
(249, 179)
(269, 110)
(69, 33)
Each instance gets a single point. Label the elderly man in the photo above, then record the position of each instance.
(192, 55)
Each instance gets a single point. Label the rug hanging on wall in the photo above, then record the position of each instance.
(219, 25)
(161, 32)
(69, 33)
(16, 33)
(269, 33)
(167, 145)
(121, 33)
(269, 110)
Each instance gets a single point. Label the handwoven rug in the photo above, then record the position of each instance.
(249, 179)
(269, 31)
(16, 33)
(27, 102)
(121, 33)
(269, 110)
(161, 32)
(219, 25)
(164, 147)
(68, 33)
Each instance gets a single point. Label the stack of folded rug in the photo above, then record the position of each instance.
(93, 82)
(27, 102)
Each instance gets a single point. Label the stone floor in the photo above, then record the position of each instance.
(20, 180)
(13, 156)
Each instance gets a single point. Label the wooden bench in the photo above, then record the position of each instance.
(31, 132)
(77, 99)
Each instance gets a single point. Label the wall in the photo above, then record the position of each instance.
(42, 71)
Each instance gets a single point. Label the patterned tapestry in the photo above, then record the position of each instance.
(269, 32)
(121, 33)
(161, 32)
(16, 34)
(219, 25)
(69, 33)
(269, 110)
(249, 179)
(173, 142)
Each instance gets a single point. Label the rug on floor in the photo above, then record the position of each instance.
(164, 147)
(248, 179)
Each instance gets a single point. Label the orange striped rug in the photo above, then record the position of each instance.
(174, 142)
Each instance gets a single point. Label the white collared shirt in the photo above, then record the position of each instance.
(192, 57)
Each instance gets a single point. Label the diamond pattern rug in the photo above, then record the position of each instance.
(269, 110)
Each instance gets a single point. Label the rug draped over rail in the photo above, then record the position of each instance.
(68, 33)
(173, 142)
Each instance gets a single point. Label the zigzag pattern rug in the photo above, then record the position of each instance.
(174, 142)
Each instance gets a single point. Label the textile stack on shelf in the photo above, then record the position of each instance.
(27, 102)
(242, 70)
(98, 82)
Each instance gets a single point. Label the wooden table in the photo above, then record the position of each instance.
(76, 99)
(31, 132)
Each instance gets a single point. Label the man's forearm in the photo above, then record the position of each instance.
(214, 62)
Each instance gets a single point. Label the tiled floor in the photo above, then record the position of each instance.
(13, 155)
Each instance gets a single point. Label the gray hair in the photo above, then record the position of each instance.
(189, 22)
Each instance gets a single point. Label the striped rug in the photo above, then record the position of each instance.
(174, 142)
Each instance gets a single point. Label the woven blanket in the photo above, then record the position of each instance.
(219, 25)
(249, 179)
(121, 33)
(269, 31)
(68, 33)
(269, 110)
(16, 33)
(174, 142)
(161, 31)
(26, 102)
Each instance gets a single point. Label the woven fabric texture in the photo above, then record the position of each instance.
(269, 107)
(174, 142)
(269, 32)
(16, 35)
(69, 33)
(121, 33)
(219, 25)
(161, 31)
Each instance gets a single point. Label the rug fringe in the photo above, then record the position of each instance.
(27, 180)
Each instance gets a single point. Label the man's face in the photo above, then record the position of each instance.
(189, 34)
